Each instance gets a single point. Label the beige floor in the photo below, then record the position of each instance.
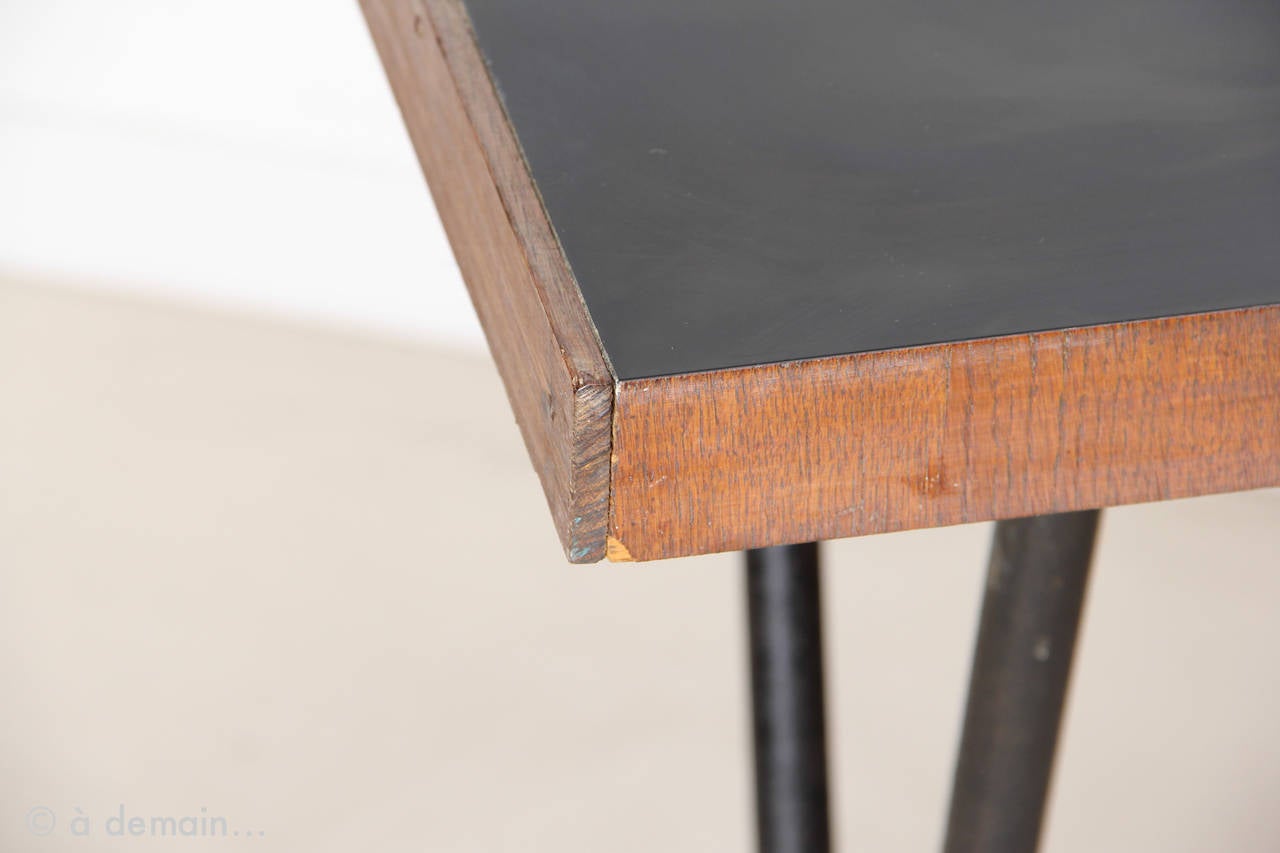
(306, 581)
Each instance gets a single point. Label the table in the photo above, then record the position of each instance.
(757, 275)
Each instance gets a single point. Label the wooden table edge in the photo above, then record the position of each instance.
(928, 436)
(772, 454)
(542, 339)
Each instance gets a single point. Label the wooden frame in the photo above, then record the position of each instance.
(544, 344)
(822, 448)
(971, 431)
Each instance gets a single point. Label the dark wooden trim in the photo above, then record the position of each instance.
(542, 339)
(928, 436)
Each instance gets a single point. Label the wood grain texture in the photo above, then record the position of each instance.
(928, 436)
(542, 339)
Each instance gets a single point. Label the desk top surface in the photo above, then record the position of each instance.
(740, 182)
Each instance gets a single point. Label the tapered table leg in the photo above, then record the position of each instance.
(788, 719)
(1030, 614)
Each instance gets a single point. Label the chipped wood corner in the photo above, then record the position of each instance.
(617, 552)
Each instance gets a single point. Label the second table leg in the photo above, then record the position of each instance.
(1026, 636)
(788, 718)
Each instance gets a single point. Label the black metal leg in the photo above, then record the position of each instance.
(1035, 591)
(784, 619)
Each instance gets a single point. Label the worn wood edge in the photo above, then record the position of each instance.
(543, 341)
(1090, 417)
(553, 279)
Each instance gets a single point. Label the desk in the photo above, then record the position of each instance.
(757, 275)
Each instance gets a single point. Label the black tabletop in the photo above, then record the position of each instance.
(742, 182)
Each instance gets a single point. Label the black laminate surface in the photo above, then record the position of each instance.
(741, 182)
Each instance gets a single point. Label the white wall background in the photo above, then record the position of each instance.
(244, 153)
